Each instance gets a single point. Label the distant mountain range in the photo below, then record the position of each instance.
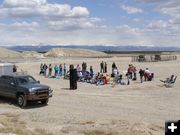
(45, 48)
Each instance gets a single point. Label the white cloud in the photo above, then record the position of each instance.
(57, 16)
(23, 3)
(24, 26)
(80, 11)
(131, 10)
(20, 26)
(166, 7)
(171, 8)
(119, 35)
(70, 24)
(40, 8)
(158, 25)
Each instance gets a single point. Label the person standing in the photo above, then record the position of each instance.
(113, 66)
(130, 71)
(73, 78)
(41, 69)
(45, 69)
(60, 70)
(84, 67)
(101, 67)
(64, 67)
(141, 73)
(50, 70)
(134, 73)
(91, 72)
(55, 70)
(14, 68)
(105, 67)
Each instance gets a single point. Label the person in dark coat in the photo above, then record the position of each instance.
(50, 70)
(105, 67)
(14, 68)
(91, 72)
(113, 66)
(41, 69)
(102, 67)
(45, 67)
(73, 78)
(141, 73)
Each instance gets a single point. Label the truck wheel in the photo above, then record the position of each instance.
(45, 102)
(21, 101)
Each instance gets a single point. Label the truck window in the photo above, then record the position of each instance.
(7, 79)
(25, 80)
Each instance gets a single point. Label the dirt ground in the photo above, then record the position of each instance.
(137, 109)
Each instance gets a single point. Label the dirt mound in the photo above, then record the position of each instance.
(69, 52)
(8, 54)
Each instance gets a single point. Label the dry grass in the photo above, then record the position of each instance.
(41, 132)
(87, 123)
(11, 124)
(99, 131)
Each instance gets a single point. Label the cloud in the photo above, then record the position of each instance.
(166, 7)
(157, 25)
(23, 3)
(20, 26)
(114, 35)
(70, 24)
(56, 16)
(171, 8)
(131, 10)
(41, 8)
(24, 26)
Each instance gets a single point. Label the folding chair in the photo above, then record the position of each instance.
(170, 83)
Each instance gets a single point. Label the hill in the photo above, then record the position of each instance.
(71, 52)
(9, 54)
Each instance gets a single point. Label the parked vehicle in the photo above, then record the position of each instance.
(24, 88)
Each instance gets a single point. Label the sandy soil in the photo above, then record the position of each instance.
(137, 109)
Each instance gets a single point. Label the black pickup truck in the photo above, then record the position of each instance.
(24, 88)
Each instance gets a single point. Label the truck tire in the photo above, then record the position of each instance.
(45, 101)
(21, 100)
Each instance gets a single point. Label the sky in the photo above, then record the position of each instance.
(90, 22)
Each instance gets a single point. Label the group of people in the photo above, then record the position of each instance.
(102, 77)
(131, 72)
(58, 70)
(146, 74)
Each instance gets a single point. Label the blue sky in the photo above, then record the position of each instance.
(90, 22)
